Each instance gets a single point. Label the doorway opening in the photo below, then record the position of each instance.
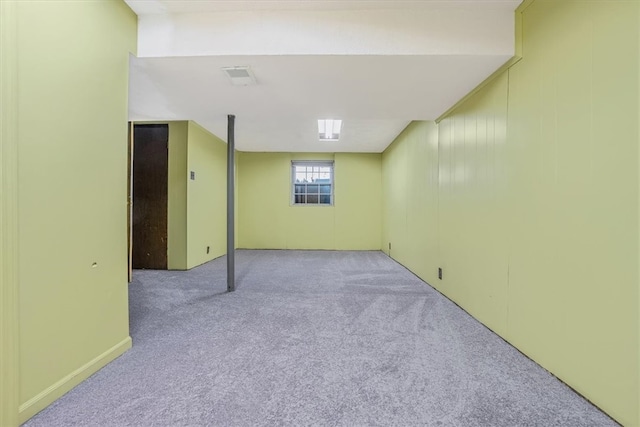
(150, 196)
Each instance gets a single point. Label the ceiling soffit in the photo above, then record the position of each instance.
(375, 67)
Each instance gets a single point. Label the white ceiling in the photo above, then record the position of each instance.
(375, 69)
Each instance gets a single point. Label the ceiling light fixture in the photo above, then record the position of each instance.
(329, 129)
(240, 75)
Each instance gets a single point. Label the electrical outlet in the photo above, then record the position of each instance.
(439, 273)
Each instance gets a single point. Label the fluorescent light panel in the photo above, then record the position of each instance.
(329, 129)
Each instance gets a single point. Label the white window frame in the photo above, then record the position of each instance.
(319, 163)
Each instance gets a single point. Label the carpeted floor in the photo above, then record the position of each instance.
(312, 338)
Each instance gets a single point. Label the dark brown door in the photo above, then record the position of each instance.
(150, 181)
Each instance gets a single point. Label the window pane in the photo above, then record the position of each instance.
(312, 182)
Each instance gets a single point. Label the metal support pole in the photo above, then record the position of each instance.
(231, 249)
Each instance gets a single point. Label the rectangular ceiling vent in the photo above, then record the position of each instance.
(240, 76)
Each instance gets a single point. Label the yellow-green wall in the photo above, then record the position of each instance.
(267, 220)
(410, 199)
(473, 210)
(206, 196)
(8, 214)
(537, 200)
(72, 192)
(573, 151)
(177, 196)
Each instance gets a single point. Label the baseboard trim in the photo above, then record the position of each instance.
(60, 388)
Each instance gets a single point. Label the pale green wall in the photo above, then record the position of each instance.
(358, 199)
(410, 194)
(206, 196)
(573, 138)
(537, 196)
(266, 218)
(177, 197)
(473, 211)
(9, 289)
(72, 192)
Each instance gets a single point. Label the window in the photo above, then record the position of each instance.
(312, 183)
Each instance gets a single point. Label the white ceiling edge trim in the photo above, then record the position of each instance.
(147, 7)
(344, 32)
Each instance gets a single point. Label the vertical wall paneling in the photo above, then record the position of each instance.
(537, 197)
(410, 194)
(573, 110)
(472, 208)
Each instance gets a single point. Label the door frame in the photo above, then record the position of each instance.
(130, 202)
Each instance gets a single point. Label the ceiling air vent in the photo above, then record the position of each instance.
(240, 76)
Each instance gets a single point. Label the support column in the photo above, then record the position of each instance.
(231, 249)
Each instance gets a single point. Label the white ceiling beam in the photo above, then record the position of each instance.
(435, 31)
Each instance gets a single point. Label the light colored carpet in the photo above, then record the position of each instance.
(312, 338)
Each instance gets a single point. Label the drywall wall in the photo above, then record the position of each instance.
(206, 196)
(72, 182)
(267, 220)
(358, 195)
(537, 195)
(177, 197)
